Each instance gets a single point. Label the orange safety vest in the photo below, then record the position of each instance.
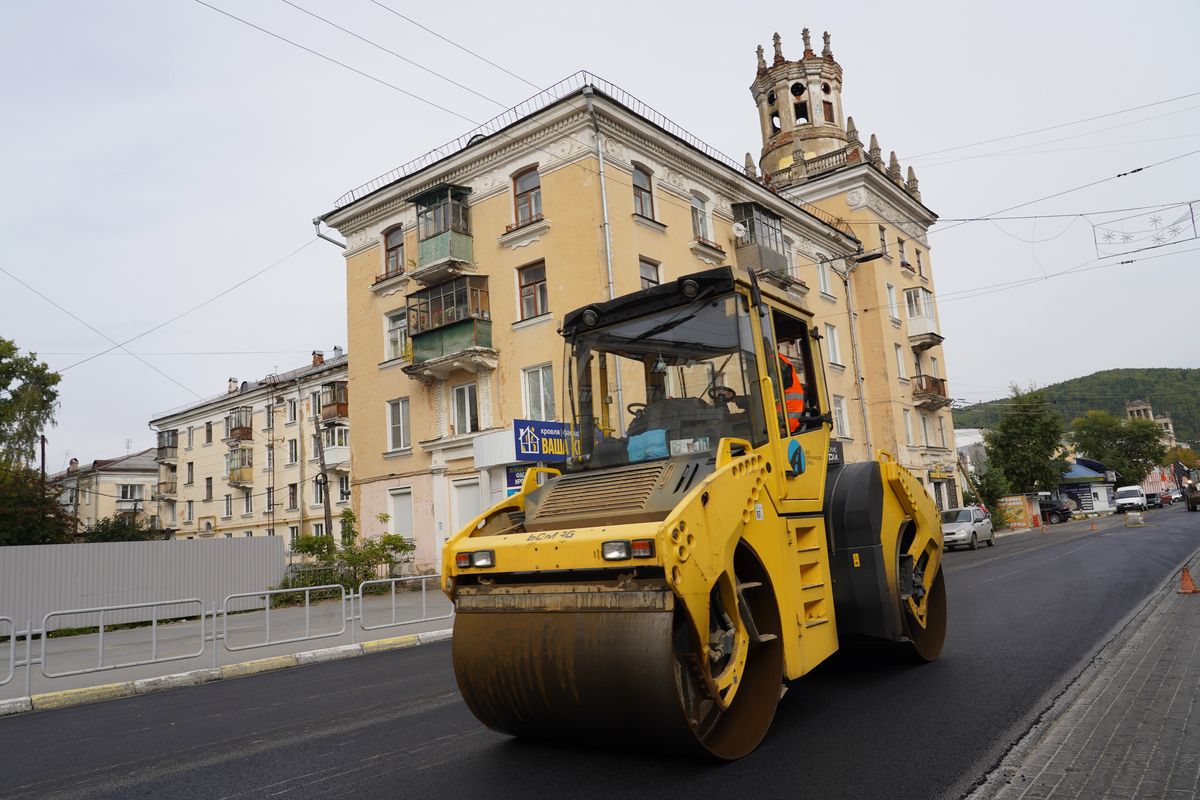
(793, 394)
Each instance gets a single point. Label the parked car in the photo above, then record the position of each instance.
(1176, 495)
(1131, 498)
(1154, 500)
(966, 526)
(1166, 498)
(1055, 511)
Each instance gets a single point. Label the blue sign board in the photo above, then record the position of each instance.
(514, 478)
(538, 440)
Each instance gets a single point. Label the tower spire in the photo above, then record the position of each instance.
(779, 59)
(762, 63)
(808, 51)
(827, 53)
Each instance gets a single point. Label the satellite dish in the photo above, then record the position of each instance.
(739, 230)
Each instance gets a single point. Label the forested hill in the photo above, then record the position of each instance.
(1171, 392)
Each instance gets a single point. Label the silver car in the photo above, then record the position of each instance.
(966, 526)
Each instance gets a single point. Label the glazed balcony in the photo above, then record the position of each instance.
(239, 467)
(168, 446)
(335, 401)
(445, 248)
(240, 424)
(929, 392)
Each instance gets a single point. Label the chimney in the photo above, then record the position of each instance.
(73, 466)
(318, 358)
(232, 387)
(338, 352)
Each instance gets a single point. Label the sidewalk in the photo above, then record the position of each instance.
(245, 631)
(1129, 726)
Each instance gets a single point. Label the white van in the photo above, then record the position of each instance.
(1131, 498)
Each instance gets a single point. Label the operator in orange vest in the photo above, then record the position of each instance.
(793, 394)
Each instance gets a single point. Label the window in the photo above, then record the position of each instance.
(247, 502)
(190, 437)
(191, 472)
(393, 243)
(293, 535)
(398, 430)
(269, 413)
(539, 392)
(314, 444)
(933, 367)
(532, 280)
(291, 410)
(270, 509)
(841, 426)
(527, 189)
(293, 496)
(229, 534)
(293, 451)
(466, 409)
(270, 456)
(318, 490)
(699, 218)
(919, 302)
(920, 268)
(459, 299)
(442, 210)
(208, 495)
(249, 533)
(401, 512)
(270, 531)
(827, 108)
(225, 428)
(643, 197)
(883, 240)
(908, 429)
(900, 249)
(208, 433)
(343, 488)
(917, 363)
(762, 227)
(337, 436)
(397, 335)
(649, 273)
(189, 512)
(823, 275)
(893, 309)
(924, 430)
(229, 505)
(899, 361)
(318, 529)
(831, 339)
(314, 403)
(942, 430)
(130, 491)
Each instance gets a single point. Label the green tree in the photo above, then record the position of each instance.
(1184, 455)
(28, 397)
(354, 562)
(1130, 447)
(29, 512)
(1025, 440)
(121, 528)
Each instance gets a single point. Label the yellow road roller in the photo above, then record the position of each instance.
(703, 544)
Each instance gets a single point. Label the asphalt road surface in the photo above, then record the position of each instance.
(1024, 615)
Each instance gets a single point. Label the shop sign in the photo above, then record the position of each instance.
(538, 440)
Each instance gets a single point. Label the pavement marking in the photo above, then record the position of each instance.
(160, 682)
(394, 643)
(329, 654)
(87, 694)
(255, 667)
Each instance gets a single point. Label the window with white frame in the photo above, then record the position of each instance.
(343, 488)
(823, 275)
(643, 195)
(318, 529)
(919, 302)
(532, 282)
(942, 431)
(649, 273)
(293, 536)
(908, 428)
(397, 335)
(893, 308)
(293, 451)
(924, 430)
(249, 533)
(527, 196)
(841, 425)
(900, 250)
(699, 218)
(398, 430)
(208, 486)
(831, 344)
(291, 410)
(899, 351)
(269, 412)
(933, 367)
(189, 512)
(229, 505)
(191, 434)
(270, 508)
(228, 534)
(539, 392)
(920, 268)
(337, 436)
(247, 502)
(314, 403)
(293, 496)
(318, 491)
(466, 408)
(400, 508)
(270, 456)
(883, 240)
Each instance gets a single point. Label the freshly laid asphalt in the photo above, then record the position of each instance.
(1026, 617)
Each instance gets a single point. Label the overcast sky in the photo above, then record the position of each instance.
(154, 153)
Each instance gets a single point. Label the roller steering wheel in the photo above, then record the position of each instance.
(713, 391)
(635, 408)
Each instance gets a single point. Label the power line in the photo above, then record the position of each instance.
(193, 309)
(454, 44)
(97, 331)
(180, 353)
(1052, 127)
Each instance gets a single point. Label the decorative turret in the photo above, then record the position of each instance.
(799, 107)
(912, 186)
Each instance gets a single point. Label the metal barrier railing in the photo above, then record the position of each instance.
(393, 583)
(267, 595)
(155, 658)
(12, 648)
(402, 607)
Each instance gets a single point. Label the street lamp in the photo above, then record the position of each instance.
(852, 262)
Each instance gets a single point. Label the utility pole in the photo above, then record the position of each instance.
(323, 478)
(42, 437)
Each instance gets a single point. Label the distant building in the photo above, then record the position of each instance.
(109, 487)
(246, 463)
(1140, 409)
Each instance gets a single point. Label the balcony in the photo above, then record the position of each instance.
(167, 490)
(239, 467)
(240, 477)
(240, 422)
(335, 402)
(929, 392)
(464, 345)
(923, 333)
(445, 248)
(168, 446)
(131, 505)
(337, 458)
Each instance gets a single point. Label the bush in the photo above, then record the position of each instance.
(351, 564)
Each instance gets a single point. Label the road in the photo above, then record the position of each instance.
(1024, 616)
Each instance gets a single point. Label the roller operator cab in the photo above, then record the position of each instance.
(703, 546)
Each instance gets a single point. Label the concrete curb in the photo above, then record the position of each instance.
(112, 691)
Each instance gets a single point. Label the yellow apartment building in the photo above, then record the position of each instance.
(108, 487)
(248, 462)
(461, 264)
